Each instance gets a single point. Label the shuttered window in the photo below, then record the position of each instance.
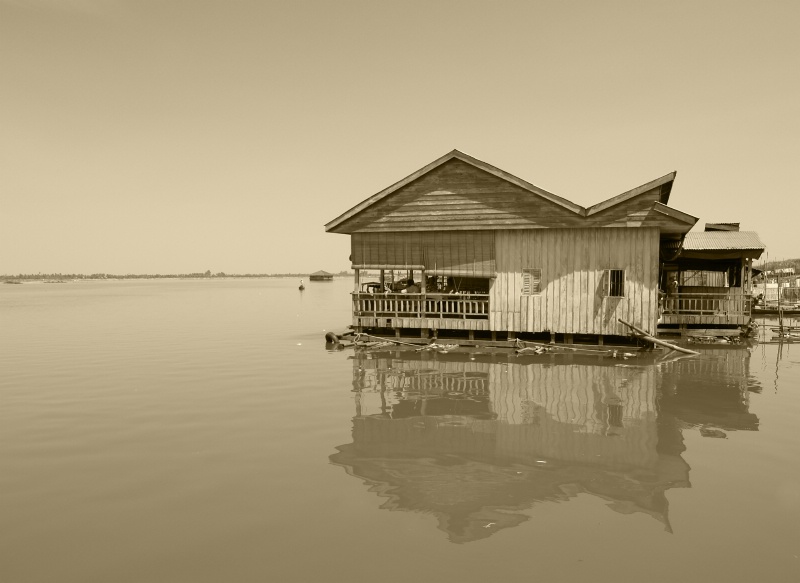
(531, 281)
(614, 283)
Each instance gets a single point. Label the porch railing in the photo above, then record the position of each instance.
(464, 306)
(710, 304)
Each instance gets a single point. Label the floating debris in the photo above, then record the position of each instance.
(532, 350)
(702, 339)
(443, 348)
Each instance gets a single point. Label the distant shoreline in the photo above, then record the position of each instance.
(66, 278)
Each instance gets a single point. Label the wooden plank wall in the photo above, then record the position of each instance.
(457, 195)
(572, 263)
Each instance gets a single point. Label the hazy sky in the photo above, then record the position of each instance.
(170, 136)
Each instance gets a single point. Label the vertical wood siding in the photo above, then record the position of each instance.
(572, 263)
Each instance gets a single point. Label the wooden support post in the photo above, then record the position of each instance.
(423, 332)
(357, 281)
(512, 335)
(472, 334)
(600, 340)
(494, 335)
(742, 273)
(552, 337)
(397, 332)
(568, 339)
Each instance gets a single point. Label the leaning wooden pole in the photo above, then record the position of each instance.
(655, 340)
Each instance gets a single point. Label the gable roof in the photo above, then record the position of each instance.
(664, 183)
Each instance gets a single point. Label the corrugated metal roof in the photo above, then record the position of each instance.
(707, 240)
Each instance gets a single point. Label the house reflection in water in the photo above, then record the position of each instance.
(477, 440)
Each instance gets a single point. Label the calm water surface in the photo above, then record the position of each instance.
(201, 431)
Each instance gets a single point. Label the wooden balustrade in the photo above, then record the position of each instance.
(464, 306)
(711, 304)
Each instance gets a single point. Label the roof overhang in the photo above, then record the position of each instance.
(721, 254)
(681, 222)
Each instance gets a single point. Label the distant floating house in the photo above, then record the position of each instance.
(462, 245)
(321, 276)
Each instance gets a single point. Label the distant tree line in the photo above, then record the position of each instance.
(769, 269)
(779, 264)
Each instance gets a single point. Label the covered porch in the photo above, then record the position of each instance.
(716, 306)
(707, 279)
(408, 297)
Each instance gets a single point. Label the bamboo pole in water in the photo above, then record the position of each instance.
(655, 340)
(780, 308)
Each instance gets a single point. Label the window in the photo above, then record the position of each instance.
(531, 281)
(614, 283)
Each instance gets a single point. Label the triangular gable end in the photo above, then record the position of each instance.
(456, 191)
(658, 190)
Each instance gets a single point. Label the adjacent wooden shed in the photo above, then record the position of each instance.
(462, 245)
(713, 275)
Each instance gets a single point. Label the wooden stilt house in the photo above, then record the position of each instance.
(462, 245)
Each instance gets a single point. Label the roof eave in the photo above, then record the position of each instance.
(387, 191)
(675, 213)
